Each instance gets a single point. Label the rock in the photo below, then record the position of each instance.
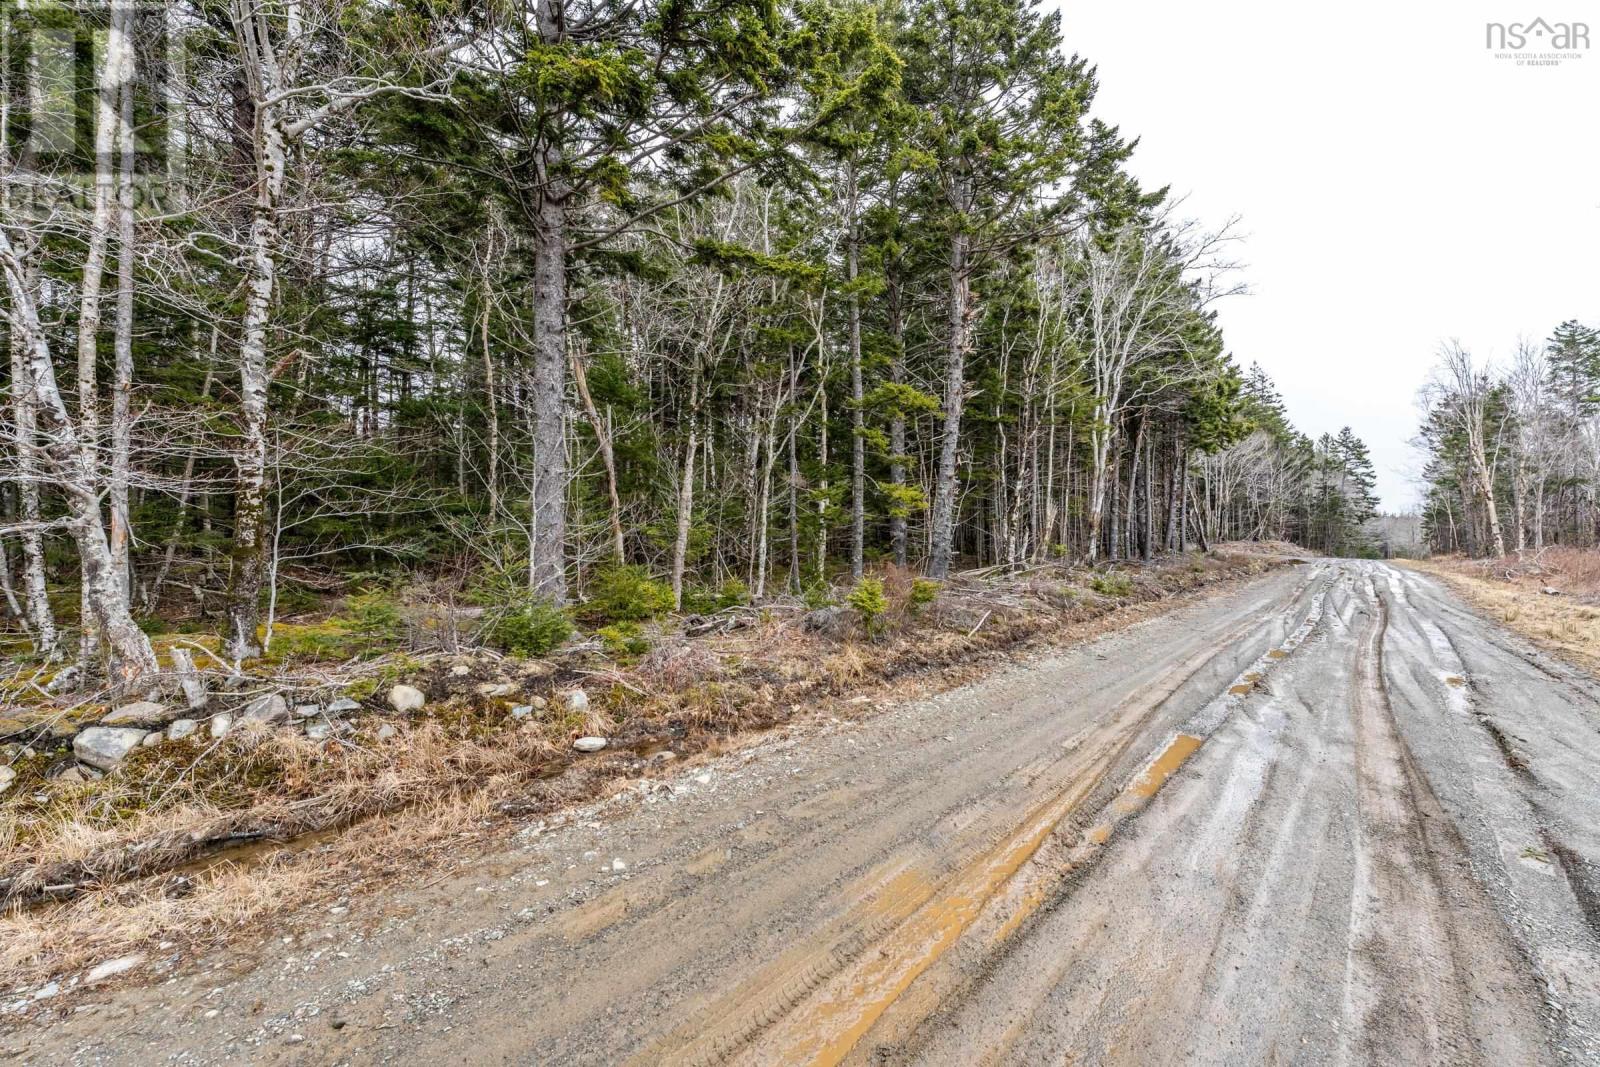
(65, 679)
(833, 621)
(460, 670)
(146, 713)
(342, 706)
(270, 709)
(318, 731)
(664, 757)
(7, 776)
(536, 668)
(220, 725)
(181, 728)
(522, 711)
(589, 744)
(385, 732)
(1550, 591)
(106, 746)
(307, 711)
(576, 700)
(112, 968)
(618, 865)
(71, 776)
(153, 738)
(407, 698)
(493, 690)
(539, 703)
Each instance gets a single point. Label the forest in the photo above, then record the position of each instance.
(681, 304)
(1513, 452)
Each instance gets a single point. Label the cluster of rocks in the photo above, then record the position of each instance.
(145, 723)
(100, 746)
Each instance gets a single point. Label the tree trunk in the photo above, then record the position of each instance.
(959, 326)
(898, 539)
(122, 348)
(108, 113)
(36, 596)
(602, 436)
(680, 544)
(547, 563)
(250, 461)
(858, 444)
(128, 650)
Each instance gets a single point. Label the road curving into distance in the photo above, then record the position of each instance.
(1331, 817)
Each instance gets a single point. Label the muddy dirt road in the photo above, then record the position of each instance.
(1333, 817)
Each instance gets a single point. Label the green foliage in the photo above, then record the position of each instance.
(702, 601)
(869, 601)
(155, 626)
(375, 615)
(625, 594)
(623, 639)
(1111, 584)
(533, 627)
(817, 595)
(924, 591)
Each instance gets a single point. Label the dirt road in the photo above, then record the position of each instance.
(1333, 817)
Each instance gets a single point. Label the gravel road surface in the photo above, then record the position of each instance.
(1332, 816)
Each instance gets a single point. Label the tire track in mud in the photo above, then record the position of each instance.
(816, 1007)
(1425, 945)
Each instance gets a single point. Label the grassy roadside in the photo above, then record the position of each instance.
(1551, 597)
(129, 864)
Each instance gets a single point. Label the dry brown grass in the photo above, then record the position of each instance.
(1512, 590)
(102, 868)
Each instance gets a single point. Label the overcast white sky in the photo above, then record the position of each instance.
(1398, 184)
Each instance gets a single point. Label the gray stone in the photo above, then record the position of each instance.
(319, 731)
(306, 711)
(342, 706)
(153, 738)
(407, 698)
(65, 679)
(521, 711)
(106, 746)
(385, 732)
(576, 700)
(112, 968)
(589, 744)
(494, 690)
(7, 776)
(181, 728)
(146, 713)
(270, 709)
(220, 725)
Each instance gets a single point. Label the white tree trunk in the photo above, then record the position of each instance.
(63, 458)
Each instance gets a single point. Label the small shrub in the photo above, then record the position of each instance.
(704, 601)
(734, 593)
(532, 628)
(924, 591)
(623, 639)
(870, 603)
(816, 596)
(625, 594)
(1112, 584)
(375, 616)
(155, 626)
